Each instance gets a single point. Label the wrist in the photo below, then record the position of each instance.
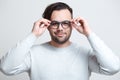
(87, 33)
(35, 34)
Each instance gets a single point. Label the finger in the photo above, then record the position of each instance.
(43, 21)
(76, 22)
(42, 25)
(81, 20)
(46, 22)
(73, 21)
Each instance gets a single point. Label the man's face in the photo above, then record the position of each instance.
(60, 29)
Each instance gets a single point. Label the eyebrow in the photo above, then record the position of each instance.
(60, 21)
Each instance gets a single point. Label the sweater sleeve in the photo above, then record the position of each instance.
(102, 59)
(17, 56)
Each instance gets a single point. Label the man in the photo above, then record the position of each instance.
(60, 59)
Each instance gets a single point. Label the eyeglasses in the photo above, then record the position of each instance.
(55, 24)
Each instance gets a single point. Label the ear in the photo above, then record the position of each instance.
(72, 26)
(48, 28)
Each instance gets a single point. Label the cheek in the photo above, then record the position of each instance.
(69, 31)
(51, 31)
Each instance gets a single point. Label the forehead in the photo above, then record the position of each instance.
(61, 15)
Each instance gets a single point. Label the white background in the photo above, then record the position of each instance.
(17, 18)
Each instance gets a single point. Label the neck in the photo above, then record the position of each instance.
(53, 43)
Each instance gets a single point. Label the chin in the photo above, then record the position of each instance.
(61, 41)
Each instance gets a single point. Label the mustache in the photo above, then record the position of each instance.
(59, 32)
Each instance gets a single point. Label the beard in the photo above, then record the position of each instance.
(57, 40)
(62, 39)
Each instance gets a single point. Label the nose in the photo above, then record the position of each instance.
(60, 27)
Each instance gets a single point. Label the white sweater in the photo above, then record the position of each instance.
(46, 62)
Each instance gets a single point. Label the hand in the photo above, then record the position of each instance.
(40, 26)
(81, 25)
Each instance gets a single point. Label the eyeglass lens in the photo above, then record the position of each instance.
(64, 24)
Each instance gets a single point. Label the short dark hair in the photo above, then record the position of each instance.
(55, 6)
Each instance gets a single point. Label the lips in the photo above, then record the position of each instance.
(60, 34)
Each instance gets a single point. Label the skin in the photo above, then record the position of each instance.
(60, 36)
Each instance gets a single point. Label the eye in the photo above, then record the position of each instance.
(54, 23)
(66, 23)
